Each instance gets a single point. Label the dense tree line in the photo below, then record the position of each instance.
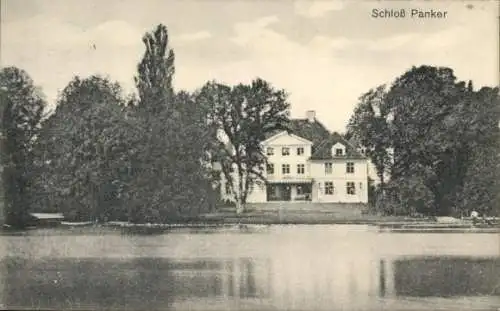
(105, 155)
(437, 138)
(21, 109)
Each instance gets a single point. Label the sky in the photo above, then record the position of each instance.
(325, 54)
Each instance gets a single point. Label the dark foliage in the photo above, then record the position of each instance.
(21, 107)
(438, 139)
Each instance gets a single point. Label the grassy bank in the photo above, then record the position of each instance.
(228, 219)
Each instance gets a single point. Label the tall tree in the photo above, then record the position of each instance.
(80, 151)
(22, 110)
(481, 136)
(370, 126)
(244, 115)
(155, 71)
(169, 172)
(426, 103)
(444, 137)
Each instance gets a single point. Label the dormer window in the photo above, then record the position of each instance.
(300, 151)
(285, 151)
(270, 151)
(338, 150)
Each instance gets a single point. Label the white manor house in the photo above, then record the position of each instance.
(308, 163)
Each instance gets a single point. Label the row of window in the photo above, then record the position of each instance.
(285, 151)
(328, 189)
(285, 168)
(350, 188)
(349, 168)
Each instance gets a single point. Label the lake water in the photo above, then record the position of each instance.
(334, 267)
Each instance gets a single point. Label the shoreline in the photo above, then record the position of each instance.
(403, 225)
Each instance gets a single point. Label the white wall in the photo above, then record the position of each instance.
(339, 169)
(340, 177)
(293, 159)
(340, 191)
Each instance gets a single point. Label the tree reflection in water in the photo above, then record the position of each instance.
(287, 268)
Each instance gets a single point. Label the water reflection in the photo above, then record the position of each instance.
(143, 283)
(147, 283)
(288, 269)
(444, 277)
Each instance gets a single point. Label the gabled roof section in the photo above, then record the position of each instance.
(322, 139)
(324, 149)
(282, 133)
(314, 132)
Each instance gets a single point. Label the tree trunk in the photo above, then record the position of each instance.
(239, 198)
(382, 184)
(240, 207)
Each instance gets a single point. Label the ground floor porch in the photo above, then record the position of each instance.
(285, 192)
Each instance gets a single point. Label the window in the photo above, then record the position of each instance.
(270, 169)
(301, 168)
(285, 151)
(339, 152)
(300, 151)
(285, 169)
(328, 168)
(351, 188)
(329, 187)
(360, 186)
(350, 167)
(228, 189)
(270, 151)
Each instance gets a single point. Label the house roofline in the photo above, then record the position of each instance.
(286, 132)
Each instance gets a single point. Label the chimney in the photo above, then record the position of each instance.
(311, 115)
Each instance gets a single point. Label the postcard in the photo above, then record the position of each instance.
(249, 155)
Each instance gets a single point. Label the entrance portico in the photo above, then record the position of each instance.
(289, 190)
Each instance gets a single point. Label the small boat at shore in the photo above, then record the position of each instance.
(77, 224)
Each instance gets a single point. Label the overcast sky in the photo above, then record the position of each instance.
(324, 53)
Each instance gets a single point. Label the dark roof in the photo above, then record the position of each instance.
(321, 138)
(312, 131)
(324, 150)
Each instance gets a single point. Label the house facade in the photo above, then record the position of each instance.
(308, 163)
